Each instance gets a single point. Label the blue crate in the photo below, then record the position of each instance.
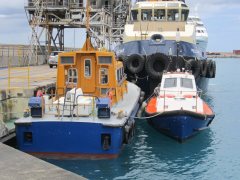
(103, 103)
(35, 102)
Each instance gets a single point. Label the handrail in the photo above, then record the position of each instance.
(195, 94)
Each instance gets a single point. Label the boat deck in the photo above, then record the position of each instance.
(123, 108)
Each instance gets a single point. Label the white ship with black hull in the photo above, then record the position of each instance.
(157, 38)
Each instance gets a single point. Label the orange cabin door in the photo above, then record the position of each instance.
(88, 73)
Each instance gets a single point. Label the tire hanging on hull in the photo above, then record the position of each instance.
(194, 66)
(156, 64)
(135, 63)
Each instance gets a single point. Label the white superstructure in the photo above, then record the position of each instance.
(201, 33)
(159, 17)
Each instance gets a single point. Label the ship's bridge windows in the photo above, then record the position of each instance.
(120, 74)
(103, 76)
(134, 15)
(72, 75)
(185, 13)
(186, 83)
(159, 14)
(146, 14)
(105, 60)
(170, 83)
(87, 68)
(173, 15)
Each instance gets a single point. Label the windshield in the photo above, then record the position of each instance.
(170, 83)
(186, 83)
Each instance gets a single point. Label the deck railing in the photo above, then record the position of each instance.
(181, 95)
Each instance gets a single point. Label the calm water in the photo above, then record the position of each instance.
(212, 154)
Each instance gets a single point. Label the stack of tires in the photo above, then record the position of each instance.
(154, 65)
(204, 68)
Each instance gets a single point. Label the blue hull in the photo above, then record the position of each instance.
(180, 125)
(73, 140)
(68, 139)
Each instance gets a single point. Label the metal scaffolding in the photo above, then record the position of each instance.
(107, 20)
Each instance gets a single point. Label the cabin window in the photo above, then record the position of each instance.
(104, 76)
(185, 13)
(186, 83)
(173, 15)
(159, 14)
(105, 60)
(67, 60)
(87, 68)
(72, 75)
(134, 15)
(104, 91)
(170, 83)
(146, 14)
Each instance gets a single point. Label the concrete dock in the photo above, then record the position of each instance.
(16, 165)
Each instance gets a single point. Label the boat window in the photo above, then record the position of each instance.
(170, 83)
(185, 13)
(186, 83)
(104, 76)
(87, 68)
(72, 75)
(146, 14)
(67, 60)
(159, 14)
(173, 15)
(104, 91)
(134, 15)
(105, 60)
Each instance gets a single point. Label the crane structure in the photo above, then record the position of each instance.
(107, 20)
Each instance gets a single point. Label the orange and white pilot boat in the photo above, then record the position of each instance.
(176, 109)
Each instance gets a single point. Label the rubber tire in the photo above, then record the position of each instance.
(156, 64)
(210, 70)
(135, 63)
(194, 66)
(214, 69)
(180, 63)
(203, 68)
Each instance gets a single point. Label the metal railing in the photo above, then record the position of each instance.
(180, 95)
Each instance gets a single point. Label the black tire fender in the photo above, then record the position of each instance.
(194, 66)
(204, 68)
(156, 64)
(135, 63)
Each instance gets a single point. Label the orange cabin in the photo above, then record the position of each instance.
(96, 72)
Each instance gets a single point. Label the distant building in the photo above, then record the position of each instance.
(236, 52)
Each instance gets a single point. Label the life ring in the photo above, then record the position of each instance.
(210, 69)
(204, 66)
(194, 66)
(156, 64)
(135, 63)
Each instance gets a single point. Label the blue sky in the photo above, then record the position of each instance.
(221, 18)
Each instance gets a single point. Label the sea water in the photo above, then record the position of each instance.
(212, 154)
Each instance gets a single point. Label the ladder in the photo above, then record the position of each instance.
(71, 103)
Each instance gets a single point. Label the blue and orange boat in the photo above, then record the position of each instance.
(91, 114)
(176, 109)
